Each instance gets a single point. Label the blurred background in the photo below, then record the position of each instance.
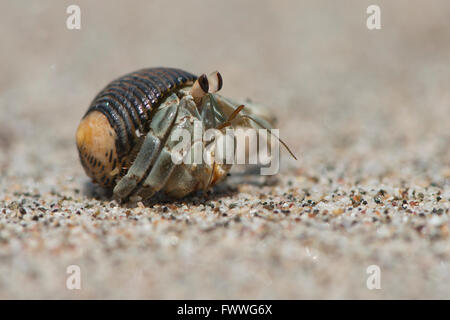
(329, 79)
(371, 104)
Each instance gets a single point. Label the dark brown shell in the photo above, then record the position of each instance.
(107, 137)
(127, 102)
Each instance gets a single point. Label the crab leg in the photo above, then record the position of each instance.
(159, 129)
(163, 167)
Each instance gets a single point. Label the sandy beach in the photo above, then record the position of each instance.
(367, 112)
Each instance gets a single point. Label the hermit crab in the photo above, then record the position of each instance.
(126, 139)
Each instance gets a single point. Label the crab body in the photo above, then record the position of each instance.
(125, 140)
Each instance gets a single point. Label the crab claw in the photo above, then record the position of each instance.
(215, 81)
(200, 88)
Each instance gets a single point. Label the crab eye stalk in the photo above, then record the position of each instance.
(215, 81)
(200, 88)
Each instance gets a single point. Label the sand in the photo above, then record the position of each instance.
(367, 113)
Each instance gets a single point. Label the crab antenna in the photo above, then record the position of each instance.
(200, 88)
(230, 118)
(215, 81)
(268, 130)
